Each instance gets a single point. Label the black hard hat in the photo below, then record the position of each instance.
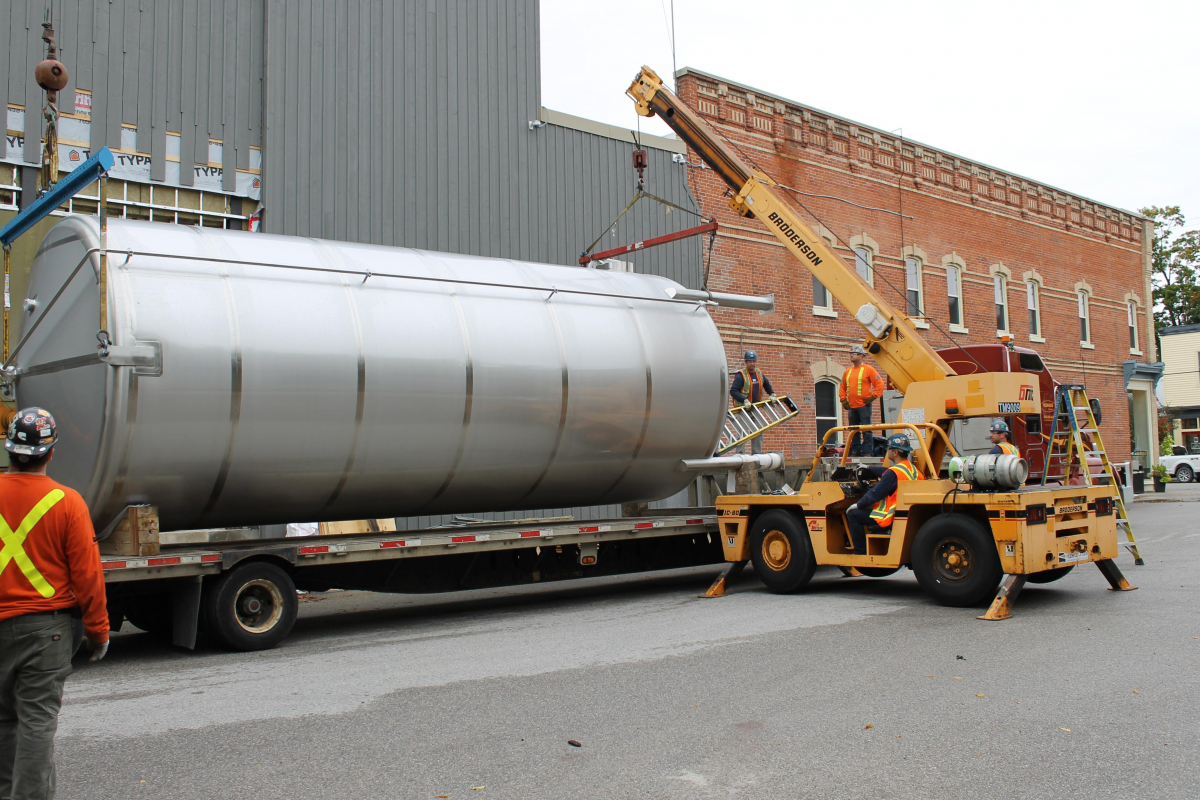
(898, 441)
(750, 356)
(31, 432)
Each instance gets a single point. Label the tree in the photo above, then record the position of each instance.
(1175, 253)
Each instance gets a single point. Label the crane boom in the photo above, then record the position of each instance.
(891, 337)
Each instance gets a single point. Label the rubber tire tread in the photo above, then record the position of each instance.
(1049, 576)
(220, 620)
(985, 576)
(151, 613)
(800, 570)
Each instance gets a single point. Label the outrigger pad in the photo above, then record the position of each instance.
(730, 572)
(1116, 580)
(1006, 597)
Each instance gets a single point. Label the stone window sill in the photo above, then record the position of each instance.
(1037, 339)
(818, 311)
(959, 329)
(1087, 345)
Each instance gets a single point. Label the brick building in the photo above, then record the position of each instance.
(979, 253)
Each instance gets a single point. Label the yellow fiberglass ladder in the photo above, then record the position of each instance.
(1069, 447)
(743, 423)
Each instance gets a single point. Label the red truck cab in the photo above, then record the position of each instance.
(1029, 431)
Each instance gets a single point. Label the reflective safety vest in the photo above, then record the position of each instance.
(14, 543)
(748, 387)
(1009, 449)
(846, 379)
(885, 509)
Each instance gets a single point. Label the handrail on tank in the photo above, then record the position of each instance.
(915, 427)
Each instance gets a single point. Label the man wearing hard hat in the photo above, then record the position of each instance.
(50, 574)
(876, 509)
(859, 387)
(749, 386)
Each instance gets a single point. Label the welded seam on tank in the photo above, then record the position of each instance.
(649, 400)
(562, 414)
(45, 248)
(361, 400)
(235, 395)
(426, 278)
(469, 400)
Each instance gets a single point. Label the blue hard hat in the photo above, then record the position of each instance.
(999, 426)
(898, 441)
(751, 356)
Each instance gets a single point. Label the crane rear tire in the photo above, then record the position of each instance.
(955, 560)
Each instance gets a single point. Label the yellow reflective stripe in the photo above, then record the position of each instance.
(860, 373)
(747, 385)
(1010, 449)
(14, 543)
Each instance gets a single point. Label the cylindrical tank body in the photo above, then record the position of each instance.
(304, 379)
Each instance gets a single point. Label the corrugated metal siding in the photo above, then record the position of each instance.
(408, 124)
(185, 66)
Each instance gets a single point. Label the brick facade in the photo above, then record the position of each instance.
(957, 214)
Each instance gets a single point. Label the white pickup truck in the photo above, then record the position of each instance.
(1183, 467)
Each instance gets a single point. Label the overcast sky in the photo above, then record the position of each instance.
(1097, 98)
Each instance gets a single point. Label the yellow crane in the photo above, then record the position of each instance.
(961, 531)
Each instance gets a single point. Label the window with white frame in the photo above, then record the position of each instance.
(1131, 307)
(822, 299)
(863, 265)
(954, 293)
(1085, 328)
(1001, 286)
(912, 280)
(1033, 301)
(10, 186)
(829, 412)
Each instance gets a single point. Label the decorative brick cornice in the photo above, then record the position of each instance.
(864, 150)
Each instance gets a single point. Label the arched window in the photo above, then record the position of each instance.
(863, 265)
(1001, 286)
(829, 411)
(954, 293)
(1085, 328)
(912, 278)
(1034, 301)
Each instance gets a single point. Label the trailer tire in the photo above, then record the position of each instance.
(954, 559)
(251, 607)
(878, 572)
(1048, 576)
(151, 612)
(781, 552)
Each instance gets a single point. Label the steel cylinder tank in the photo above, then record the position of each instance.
(258, 379)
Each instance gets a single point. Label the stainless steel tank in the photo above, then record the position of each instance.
(259, 379)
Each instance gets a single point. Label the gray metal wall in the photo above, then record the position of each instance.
(408, 124)
(192, 67)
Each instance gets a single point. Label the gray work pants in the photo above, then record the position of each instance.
(35, 660)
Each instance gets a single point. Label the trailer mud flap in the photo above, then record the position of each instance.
(185, 608)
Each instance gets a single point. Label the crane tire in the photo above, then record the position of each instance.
(781, 551)
(251, 607)
(954, 559)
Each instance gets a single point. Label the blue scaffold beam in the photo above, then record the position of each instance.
(58, 194)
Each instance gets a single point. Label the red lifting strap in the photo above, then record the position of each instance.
(708, 227)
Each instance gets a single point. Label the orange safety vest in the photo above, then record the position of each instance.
(885, 509)
(1009, 449)
(747, 386)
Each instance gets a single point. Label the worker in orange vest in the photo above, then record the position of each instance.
(859, 387)
(749, 386)
(50, 575)
(877, 508)
(1000, 434)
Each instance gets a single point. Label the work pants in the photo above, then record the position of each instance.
(861, 444)
(755, 446)
(860, 522)
(35, 660)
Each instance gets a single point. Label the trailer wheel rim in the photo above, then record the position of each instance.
(258, 606)
(953, 559)
(777, 550)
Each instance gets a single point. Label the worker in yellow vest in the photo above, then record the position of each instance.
(859, 387)
(1000, 434)
(877, 508)
(50, 576)
(749, 386)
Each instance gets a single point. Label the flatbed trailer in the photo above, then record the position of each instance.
(243, 593)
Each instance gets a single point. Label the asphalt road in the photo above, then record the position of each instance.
(858, 688)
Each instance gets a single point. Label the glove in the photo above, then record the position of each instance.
(845, 403)
(99, 649)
